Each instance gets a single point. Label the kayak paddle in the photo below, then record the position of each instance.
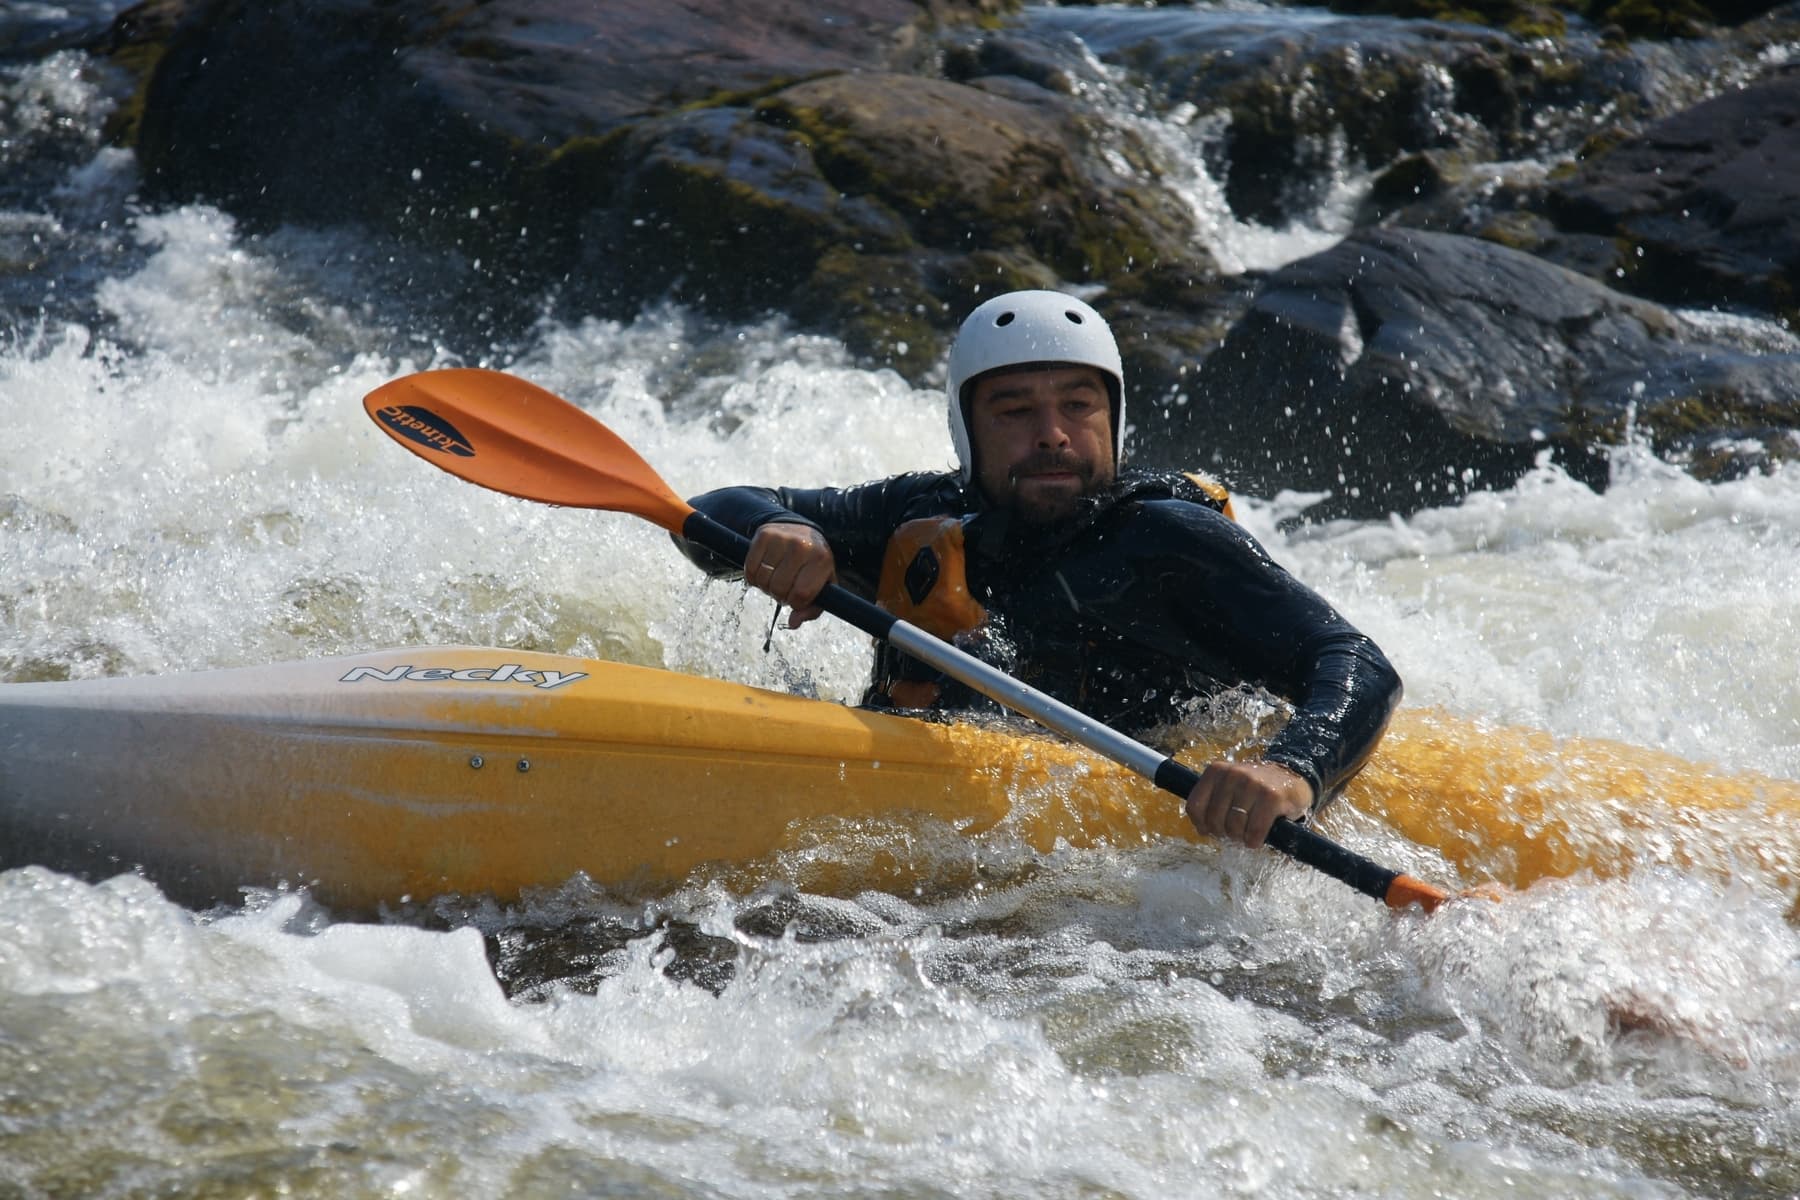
(504, 433)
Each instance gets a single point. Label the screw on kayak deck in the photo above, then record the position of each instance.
(476, 762)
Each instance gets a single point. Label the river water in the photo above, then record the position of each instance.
(187, 481)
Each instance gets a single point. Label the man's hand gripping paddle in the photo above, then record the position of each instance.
(503, 433)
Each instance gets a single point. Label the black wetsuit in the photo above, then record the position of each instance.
(1146, 600)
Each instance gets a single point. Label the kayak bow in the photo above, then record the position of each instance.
(413, 773)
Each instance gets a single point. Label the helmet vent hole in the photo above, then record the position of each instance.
(1005, 318)
(1073, 316)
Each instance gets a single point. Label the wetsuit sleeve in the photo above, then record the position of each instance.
(857, 521)
(1350, 691)
(1228, 595)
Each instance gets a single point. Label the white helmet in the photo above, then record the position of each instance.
(1020, 328)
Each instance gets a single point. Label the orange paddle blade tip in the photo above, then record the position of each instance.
(1405, 891)
(510, 435)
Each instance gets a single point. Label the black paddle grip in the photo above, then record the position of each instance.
(1297, 841)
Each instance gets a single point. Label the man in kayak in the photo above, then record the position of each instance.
(1130, 595)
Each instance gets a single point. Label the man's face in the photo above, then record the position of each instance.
(1042, 438)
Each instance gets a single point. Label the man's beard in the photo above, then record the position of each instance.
(1048, 510)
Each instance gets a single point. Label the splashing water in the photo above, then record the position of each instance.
(186, 481)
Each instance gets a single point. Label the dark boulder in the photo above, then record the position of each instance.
(1704, 205)
(1402, 368)
(996, 186)
(410, 112)
(810, 160)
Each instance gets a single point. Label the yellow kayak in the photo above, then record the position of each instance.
(405, 774)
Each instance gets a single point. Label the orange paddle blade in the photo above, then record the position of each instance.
(503, 433)
(1405, 890)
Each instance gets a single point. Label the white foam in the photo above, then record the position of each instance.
(1660, 611)
(1125, 1021)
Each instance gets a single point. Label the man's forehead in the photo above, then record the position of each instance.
(1012, 380)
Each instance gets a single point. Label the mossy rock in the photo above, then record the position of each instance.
(1704, 201)
(1307, 103)
(136, 42)
(1644, 19)
(880, 305)
(1521, 17)
(965, 168)
(1659, 19)
(1665, 19)
(1719, 434)
(900, 310)
(965, 280)
(1413, 179)
(1522, 231)
(713, 207)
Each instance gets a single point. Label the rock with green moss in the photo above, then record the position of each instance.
(811, 160)
(966, 168)
(1526, 18)
(876, 205)
(874, 168)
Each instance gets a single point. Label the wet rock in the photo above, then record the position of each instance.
(1055, 65)
(989, 178)
(1526, 18)
(1286, 108)
(254, 103)
(872, 168)
(1532, 18)
(1707, 201)
(1497, 202)
(1403, 368)
(711, 204)
(1299, 103)
(808, 160)
(877, 205)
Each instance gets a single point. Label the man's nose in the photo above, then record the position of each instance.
(1051, 432)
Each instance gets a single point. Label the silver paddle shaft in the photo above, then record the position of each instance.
(1023, 698)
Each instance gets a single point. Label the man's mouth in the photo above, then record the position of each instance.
(1050, 469)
